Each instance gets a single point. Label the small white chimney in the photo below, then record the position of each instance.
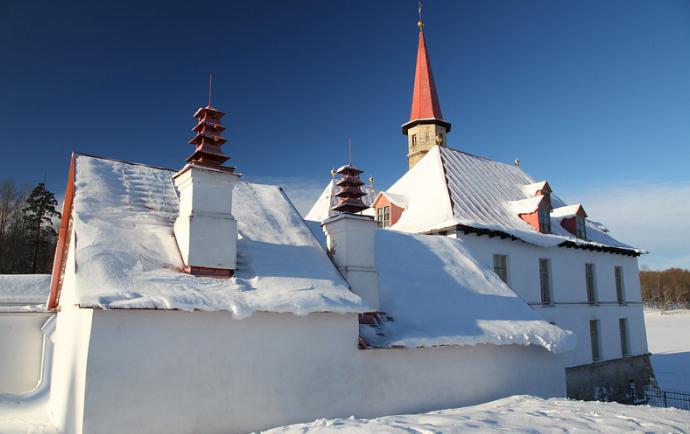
(350, 241)
(350, 236)
(205, 230)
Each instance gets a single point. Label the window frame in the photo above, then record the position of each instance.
(591, 278)
(580, 227)
(383, 216)
(595, 330)
(497, 268)
(624, 333)
(414, 140)
(620, 284)
(546, 291)
(544, 217)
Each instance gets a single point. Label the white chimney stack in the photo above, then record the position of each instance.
(350, 241)
(205, 230)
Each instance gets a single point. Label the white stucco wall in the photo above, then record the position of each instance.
(21, 343)
(570, 309)
(180, 372)
(72, 338)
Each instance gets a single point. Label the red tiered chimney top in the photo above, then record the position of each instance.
(208, 139)
(350, 192)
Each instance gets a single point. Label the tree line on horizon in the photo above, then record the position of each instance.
(28, 228)
(666, 289)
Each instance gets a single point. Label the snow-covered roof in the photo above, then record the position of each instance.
(127, 257)
(566, 211)
(432, 292)
(323, 207)
(397, 199)
(449, 188)
(526, 206)
(437, 294)
(24, 292)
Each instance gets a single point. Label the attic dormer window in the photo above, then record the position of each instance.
(544, 220)
(383, 216)
(580, 228)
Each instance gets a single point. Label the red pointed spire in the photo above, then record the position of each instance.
(425, 103)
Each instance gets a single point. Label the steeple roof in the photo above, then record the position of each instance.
(425, 103)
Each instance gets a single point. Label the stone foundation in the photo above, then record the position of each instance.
(621, 380)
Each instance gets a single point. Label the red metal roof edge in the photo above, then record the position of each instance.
(63, 239)
(425, 101)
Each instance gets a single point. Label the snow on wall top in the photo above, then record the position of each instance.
(437, 294)
(449, 187)
(127, 257)
(323, 207)
(26, 292)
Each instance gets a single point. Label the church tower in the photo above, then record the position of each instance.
(426, 127)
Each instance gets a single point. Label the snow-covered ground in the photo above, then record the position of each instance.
(668, 338)
(524, 414)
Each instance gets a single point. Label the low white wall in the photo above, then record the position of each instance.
(571, 310)
(179, 372)
(21, 345)
(68, 379)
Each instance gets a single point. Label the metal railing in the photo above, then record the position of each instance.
(657, 397)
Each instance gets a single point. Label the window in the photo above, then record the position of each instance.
(620, 290)
(414, 140)
(590, 281)
(501, 267)
(383, 215)
(594, 336)
(545, 280)
(625, 338)
(580, 229)
(544, 220)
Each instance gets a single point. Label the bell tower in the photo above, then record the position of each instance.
(426, 127)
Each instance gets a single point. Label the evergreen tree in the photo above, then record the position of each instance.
(39, 212)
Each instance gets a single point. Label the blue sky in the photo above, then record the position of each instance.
(592, 95)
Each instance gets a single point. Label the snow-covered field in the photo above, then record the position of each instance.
(668, 337)
(524, 414)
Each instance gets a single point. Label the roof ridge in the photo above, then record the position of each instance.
(98, 157)
(480, 157)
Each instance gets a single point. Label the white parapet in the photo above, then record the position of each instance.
(350, 241)
(205, 230)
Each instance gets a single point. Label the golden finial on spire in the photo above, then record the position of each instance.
(420, 23)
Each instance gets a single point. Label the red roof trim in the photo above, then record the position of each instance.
(63, 239)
